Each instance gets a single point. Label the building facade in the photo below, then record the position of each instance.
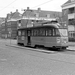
(9, 26)
(29, 18)
(68, 14)
(2, 19)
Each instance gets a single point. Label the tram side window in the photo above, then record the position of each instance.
(23, 33)
(19, 33)
(53, 30)
(32, 32)
(38, 32)
(35, 32)
(57, 32)
(42, 32)
(49, 32)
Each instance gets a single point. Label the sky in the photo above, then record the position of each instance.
(7, 6)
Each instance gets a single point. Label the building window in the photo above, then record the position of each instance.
(48, 15)
(71, 10)
(3, 24)
(9, 29)
(71, 22)
(9, 23)
(36, 15)
(65, 11)
(19, 21)
(3, 29)
(71, 34)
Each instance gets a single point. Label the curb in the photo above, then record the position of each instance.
(32, 49)
(71, 48)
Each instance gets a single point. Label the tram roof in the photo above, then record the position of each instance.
(55, 25)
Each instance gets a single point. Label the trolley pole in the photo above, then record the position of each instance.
(10, 37)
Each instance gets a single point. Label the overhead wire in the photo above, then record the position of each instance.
(42, 3)
(32, 7)
(8, 5)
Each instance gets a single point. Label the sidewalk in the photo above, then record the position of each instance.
(71, 46)
(71, 43)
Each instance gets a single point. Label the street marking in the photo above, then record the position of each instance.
(3, 60)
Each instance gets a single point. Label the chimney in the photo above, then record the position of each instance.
(16, 10)
(8, 15)
(39, 9)
(11, 12)
(27, 8)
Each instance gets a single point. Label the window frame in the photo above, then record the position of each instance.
(19, 32)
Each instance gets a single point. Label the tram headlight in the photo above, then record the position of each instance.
(58, 40)
(64, 41)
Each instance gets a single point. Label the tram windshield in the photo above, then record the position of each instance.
(63, 32)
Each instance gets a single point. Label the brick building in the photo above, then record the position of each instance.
(68, 13)
(2, 19)
(31, 17)
(9, 26)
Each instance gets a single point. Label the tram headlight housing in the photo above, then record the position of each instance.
(65, 41)
(58, 40)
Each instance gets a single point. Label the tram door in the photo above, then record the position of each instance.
(28, 37)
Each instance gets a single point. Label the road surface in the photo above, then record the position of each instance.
(28, 61)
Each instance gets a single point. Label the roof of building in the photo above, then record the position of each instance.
(2, 19)
(33, 13)
(68, 2)
(41, 13)
(14, 15)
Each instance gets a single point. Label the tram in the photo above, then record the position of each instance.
(46, 34)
